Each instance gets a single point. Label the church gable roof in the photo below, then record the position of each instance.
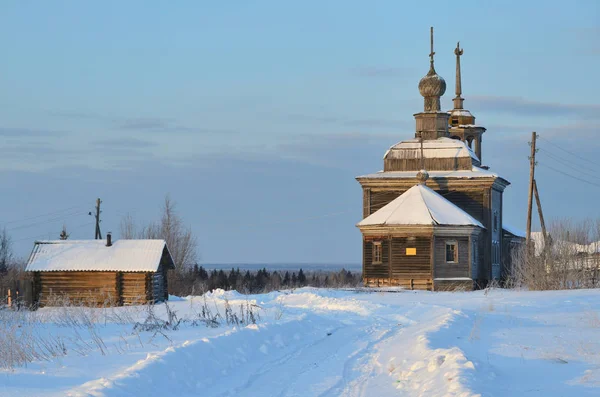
(420, 205)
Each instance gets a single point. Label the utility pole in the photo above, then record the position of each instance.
(531, 184)
(539, 206)
(97, 216)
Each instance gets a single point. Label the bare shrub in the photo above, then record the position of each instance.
(568, 260)
(19, 343)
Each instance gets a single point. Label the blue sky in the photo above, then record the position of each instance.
(255, 116)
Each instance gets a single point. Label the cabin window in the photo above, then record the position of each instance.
(377, 252)
(451, 252)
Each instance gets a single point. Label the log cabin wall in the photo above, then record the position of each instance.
(443, 269)
(158, 284)
(136, 288)
(406, 267)
(90, 288)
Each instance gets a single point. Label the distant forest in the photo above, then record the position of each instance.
(198, 280)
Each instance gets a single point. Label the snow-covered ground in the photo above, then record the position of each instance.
(319, 342)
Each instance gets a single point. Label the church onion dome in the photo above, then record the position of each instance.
(432, 85)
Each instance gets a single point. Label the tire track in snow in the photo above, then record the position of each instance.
(346, 384)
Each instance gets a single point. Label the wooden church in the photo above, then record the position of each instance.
(432, 219)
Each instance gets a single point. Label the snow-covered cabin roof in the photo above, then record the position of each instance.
(475, 172)
(94, 255)
(434, 148)
(419, 205)
(513, 230)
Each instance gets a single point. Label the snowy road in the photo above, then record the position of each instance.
(314, 342)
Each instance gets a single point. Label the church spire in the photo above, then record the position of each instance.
(432, 53)
(432, 86)
(458, 101)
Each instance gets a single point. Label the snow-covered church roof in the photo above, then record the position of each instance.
(419, 205)
(94, 255)
(435, 148)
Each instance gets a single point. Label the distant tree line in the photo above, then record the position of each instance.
(197, 280)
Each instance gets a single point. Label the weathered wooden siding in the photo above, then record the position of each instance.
(136, 287)
(380, 198)
(470, 201)
(90, 288)
(496, 230)
(431, 164)
(399, 269)
(406, 267)
(375, 270)
(158, 284)
(451, 270)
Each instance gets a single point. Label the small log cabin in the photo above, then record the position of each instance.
(421, 241)
(100, 273)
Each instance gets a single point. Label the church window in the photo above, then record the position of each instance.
(377, 252)
(454, 121)
(451, 252)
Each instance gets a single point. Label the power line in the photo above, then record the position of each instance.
(45, 234)
(570, 176)
(571, 153)
(42, 215)
(567, 163)
(58, 218)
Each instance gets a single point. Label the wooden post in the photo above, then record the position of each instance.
(9, 299)
(98, 235)
(531, 182)
(540, 213)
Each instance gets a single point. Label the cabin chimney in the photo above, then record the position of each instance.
(108, 239)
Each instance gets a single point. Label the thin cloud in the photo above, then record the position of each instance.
(125, 143)
(381, 71)
(166, 125)
(29, 132)
(525, 107)
(348, 122)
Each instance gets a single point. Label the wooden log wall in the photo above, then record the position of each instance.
(380, 198)
(470, 201)
(431, 164)
(449, 270)
(376, 270)
(411, 267)
(158, 285)
(397, 268)
(90, 288)
(136, 288)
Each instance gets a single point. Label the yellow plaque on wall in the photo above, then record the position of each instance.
(411, 251)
